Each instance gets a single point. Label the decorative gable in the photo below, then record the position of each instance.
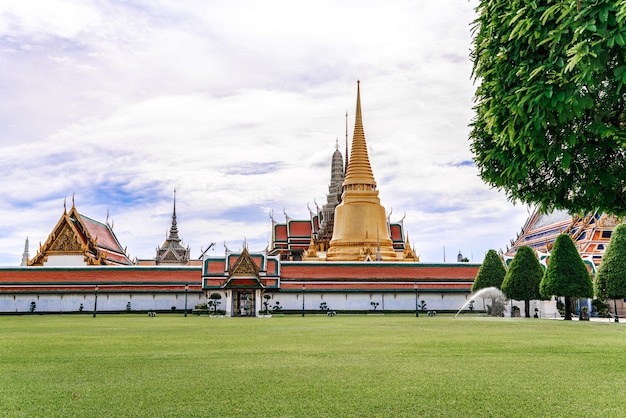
(244, 266)
(244, 273)
(65, 240)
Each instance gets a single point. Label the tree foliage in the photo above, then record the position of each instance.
(550, 123)
(610, 282)
(566, 274)
(214, 301)
(522, 279)
(491, 272)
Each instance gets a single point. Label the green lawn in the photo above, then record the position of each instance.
(316, 366)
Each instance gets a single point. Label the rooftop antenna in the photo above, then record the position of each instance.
(205, 251)
(346, 169)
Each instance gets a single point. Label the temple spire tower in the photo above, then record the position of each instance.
(333, 198)
(172, 250)
(360, 226)
(174, 228)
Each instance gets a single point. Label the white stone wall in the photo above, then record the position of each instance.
(51, 303)
(362, 301)
(341, 301)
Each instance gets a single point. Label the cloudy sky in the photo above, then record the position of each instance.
(238, 106)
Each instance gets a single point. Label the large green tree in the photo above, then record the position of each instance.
(491, 272)
(522, 279)
(566, 274)
(550, 113)
(610, 282)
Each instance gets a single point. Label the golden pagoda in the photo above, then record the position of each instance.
(360, 226)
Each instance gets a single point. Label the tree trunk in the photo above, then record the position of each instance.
(527, 307)
(568, 308)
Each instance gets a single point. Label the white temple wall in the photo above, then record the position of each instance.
(338, 301)
(389, 301)
(70, 302)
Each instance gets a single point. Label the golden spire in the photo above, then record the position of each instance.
(359, 171)
(360, 227)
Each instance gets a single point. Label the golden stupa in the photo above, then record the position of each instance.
(360, 231)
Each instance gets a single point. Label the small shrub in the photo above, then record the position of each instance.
(214, 301)
(33, 306)
(266, 303)
(601, 307)
(128, 307)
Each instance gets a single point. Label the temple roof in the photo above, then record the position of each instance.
(77, 234)
(590, 232)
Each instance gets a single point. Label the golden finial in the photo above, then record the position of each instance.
(359, 172)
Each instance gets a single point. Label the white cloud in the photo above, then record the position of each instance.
(238, 105)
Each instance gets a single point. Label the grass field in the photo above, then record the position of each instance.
(316, 366)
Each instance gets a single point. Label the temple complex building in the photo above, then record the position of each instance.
(347, 257)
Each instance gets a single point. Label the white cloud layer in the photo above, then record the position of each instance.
(238, 106)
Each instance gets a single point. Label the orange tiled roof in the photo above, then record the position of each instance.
(112, 278)
(300, 229)
(355, 271)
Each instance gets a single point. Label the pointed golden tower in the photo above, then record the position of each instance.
(360, 223)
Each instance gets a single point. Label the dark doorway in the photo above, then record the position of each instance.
(244, 303)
